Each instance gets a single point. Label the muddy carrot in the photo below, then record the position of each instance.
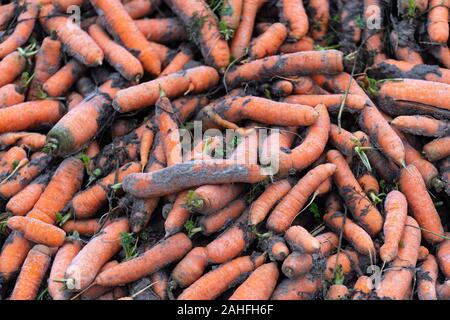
(6, 14)
(269, 42)
(162, 30)
(437, 149)
(191, 267)
(343, 140)
(11, 94)
(427, 277)
(362, 288)
(183, 57)
(304, 44)
(297, 264)
(422, 126)
(293, 14)
(13, 254)
(301, 288)
(278, 250)
(11, 67)
(95, 291)
(321, 16)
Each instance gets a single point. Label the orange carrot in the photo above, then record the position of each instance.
(370, 186)
(88, 202)
(162, 30)
(6, 14)
(162, 254)
(95, 291)
(443, 256)
(304, 44)
(64, 256)
(122, 127)
(11, 94)
(292, 64)
(259, 285)
(398, 278)
(58, 84)
(191, 268)
(194, 80)
(362, 288)
(286, 211)
(209, 199)
(50, 111)
(22, 31)
(141, 8)
(161, 283)
(64, 184)
(438, 29)
(338, 261)
(73, 100)
(352, 103)
(427, 277)
(269, 42)
(77, 43)
(437, 149)
(13, 254)
(183, 57)
(278, 250)
(230, 13)
(117, 56)
(220, 219)
(24, 201)
(421, 205)
(299, 239)
(343, 140)
(364, 212)
(87, 227)
(38, 231)
(297, 264)
(423, 253)
(422, 126)
(396, 208)
(337, 292)
(293, 14)
(83, 269)
(32, 274)
(328, 242)
(47, 64)
(11, 67)
(228, 273)
(302, 288)
(321, 15)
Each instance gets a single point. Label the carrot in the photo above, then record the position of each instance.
(32, 141)
(197, 17)
(299, 239)
(24, 201)
(365, 213)
(443, 256)
(24, 176)
(278, 250)
(259, 285)
(58, 84)
(443, 290)
(292, 64)
(83, 269)
(390, 68)
(146, 144)
(161, 283)
(80, 125)
(11, 94)
(353, 103)
(96, 291)
(427, 276)
(229, 273)
(338, 261)
(286, 211)
(437, 149)
(87, 227)
(73, 100)
(297, 264)
(293, 14)
(87, 203)
(320, 10)
(302, 288)
(33, 114)
(194, 80)
(64, 256)
(442, 54)
(406, 90)
(190, 174)
(37, 231)
(47, 64)
(209, 199)
(32, 274)
(162, 30)
(354, 234)
(343, 140)
(304, 44)
(421, 204)
(162, 254)
(191, 267)
(217, 221)
(437, 28)
(244, 31)
(337, 292)
(77, 43)
(328, 242)
(64, 184)
(282, 88)
(257, 109)
(445, 173)
(13, 156)
(22, 31)
(370, 186)
(362, 288)
(13, 254)
(423, 253)
(11, 66)
(396, 208)
(269, 42)
(351, 30)
(398, 278)
(6, 14)
(230, 13)
(117, 56)
(183, 57)
(261, 207)
(422, 126)
(122, 127)
(141, 8)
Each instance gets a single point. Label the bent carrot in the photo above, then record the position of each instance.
(32, 273)
(259, 285)
(162, 254)
(396, 209)
(421, 204)
(286, 211)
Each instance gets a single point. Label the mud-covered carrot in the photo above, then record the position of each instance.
(437, 149)
(13, 254)
(320, 10)
(6, 14)
(60, 82)
(302, 288)
(422, 126)
(11, 94)
(304, 44)
(11, 67)
(293, 14)
(32, 274)
(169, 250)
(427, 277)
(162, 30)
(297, 264)
(182, 58)
(285, 212)
(278, 250)
(268, 43)
(362, 288)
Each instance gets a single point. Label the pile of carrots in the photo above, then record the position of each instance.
(99, 199)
